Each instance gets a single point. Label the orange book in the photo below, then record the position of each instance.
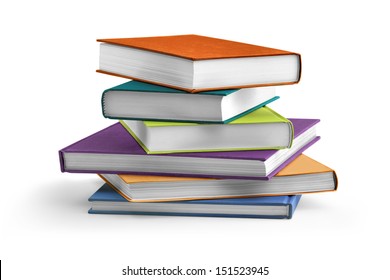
(198, 63)
(303, 175)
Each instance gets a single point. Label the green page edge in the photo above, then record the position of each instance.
(209, 150)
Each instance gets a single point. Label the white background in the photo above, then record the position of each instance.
(50, 98)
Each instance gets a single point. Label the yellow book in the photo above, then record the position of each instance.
(262, 129)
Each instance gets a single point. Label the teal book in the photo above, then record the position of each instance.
(136, 100)
(108, 201)
(262, 129)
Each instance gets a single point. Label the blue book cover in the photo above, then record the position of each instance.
(136, 100)
(108, 201)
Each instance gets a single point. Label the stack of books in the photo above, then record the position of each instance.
(195, 135)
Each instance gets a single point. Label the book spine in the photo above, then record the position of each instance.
(300, 67)
(103, 102)
(62, 164)
(336, 181)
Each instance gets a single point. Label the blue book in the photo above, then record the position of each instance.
(136, 100)
(108, 201)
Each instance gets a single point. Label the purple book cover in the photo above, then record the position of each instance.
(116, 140)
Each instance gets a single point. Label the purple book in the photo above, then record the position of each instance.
(114, 150)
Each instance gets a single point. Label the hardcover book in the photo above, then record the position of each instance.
(108, 201)
(138, 100)
(302, 175)
(262, 129)
(197, 63)
(113, 151)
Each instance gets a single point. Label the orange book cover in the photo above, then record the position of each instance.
(195, 48)
(302, 165)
